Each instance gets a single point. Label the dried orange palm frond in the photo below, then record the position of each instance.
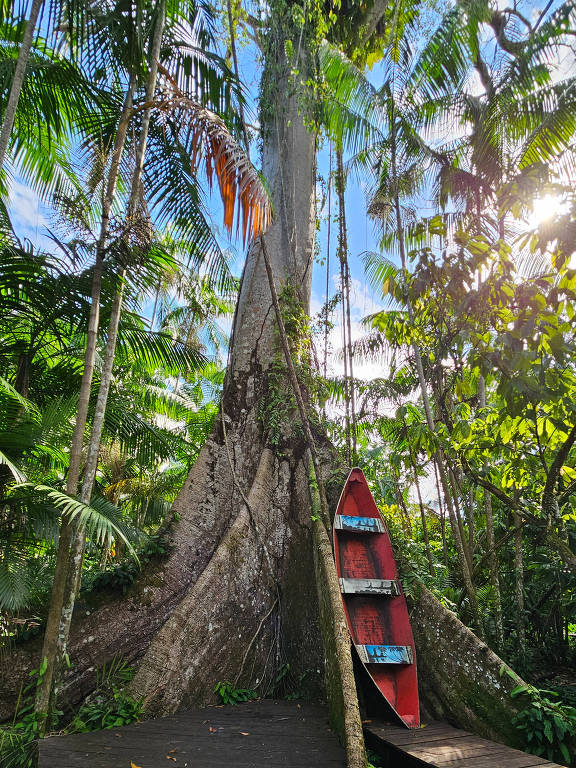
(244, 196)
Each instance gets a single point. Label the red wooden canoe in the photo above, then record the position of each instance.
(373, 599)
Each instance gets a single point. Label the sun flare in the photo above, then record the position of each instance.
(544, 208)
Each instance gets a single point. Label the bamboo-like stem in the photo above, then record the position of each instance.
(18, 81)
(67, 528)
(78, 538)
(345, 273)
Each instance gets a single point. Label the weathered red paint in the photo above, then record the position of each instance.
(376, 619)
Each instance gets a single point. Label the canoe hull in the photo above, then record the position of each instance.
(376, 613)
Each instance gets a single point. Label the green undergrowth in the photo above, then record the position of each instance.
(547, 724)
(121, 576)
(374, 759)
(108, 706)
(283, 685)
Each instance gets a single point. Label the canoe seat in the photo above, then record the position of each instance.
(359, 524)
(391, 587)
(385, 654)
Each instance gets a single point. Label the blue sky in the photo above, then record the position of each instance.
(30, 220)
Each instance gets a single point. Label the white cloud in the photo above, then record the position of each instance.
(362, 304)
(25, 210)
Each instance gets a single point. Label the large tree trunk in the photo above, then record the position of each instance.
(251, 607)
(460, 678)
(237, 592)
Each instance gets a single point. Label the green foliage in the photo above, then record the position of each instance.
(121, 576)
(19, 739)
(229, 694)
(374, 759)
(111, 708)
(108, 706)
(277, 410)
(548, 726)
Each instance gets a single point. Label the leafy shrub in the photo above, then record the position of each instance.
(549, 726)
(121, 576)
(110, 709)
(17, 749)
(19, 739)
(229, 694)
(109, 706)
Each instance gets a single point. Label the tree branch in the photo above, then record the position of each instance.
(549, 500)
(374, 16)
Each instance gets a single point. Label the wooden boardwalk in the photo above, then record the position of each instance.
(265, 733)
(439, 744)
(275, 734)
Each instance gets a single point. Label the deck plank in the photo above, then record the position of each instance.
(443, 746)
(284, 734)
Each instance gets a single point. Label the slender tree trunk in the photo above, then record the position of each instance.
(471, 525)
(519, 586)
(345, 279)
(461, 531)
(347, 398)
(328, 245)
(441, 511)
(492, 556)
(440, 458)
(423, 518)
(18, 81)
(78, 536)
(406, 522)
(57, 595)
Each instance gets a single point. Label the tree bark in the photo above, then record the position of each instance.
(519, 586)
(256, 497)
(460, 678)
(492, 557)
(18, 81)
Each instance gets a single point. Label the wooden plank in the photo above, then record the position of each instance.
(406, 736)
(441, 745)
(521, 760)
(280, 734)
(430, 727)
(439, 753)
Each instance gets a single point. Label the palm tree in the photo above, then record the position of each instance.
(17, 82)
(236, 179)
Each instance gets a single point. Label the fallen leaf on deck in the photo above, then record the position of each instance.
(212, 730)
(170, 758)
(244, 733)
(133, 765)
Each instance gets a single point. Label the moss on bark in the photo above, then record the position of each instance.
(461, 678)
